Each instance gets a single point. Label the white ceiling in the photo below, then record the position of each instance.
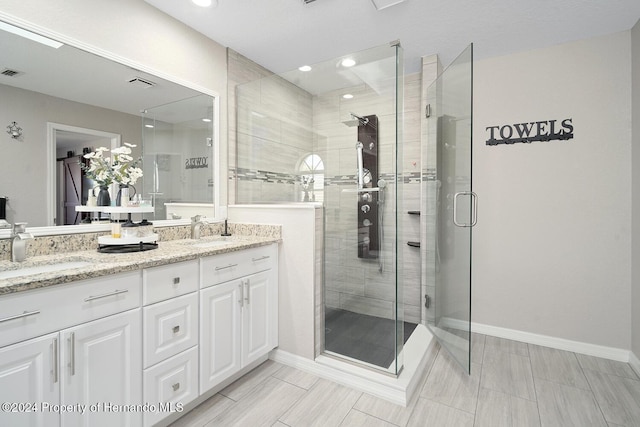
(282, 35)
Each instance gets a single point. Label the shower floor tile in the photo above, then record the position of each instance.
(366, 338)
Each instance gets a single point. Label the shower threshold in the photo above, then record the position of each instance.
(362, 338)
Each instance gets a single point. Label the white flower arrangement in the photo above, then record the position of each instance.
(121, 168)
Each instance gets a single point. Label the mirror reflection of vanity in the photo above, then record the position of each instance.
(67, 101)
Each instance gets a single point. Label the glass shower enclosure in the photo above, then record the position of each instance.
(449, 154)
(331, 133)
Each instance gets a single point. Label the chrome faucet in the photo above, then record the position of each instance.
(19, 236)
(196, 224)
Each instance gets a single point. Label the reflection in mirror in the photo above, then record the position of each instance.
(73, 187)
(178, 158)
(42, 87)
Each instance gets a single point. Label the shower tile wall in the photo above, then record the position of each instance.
(269, 133)
(275, 124)
(413, 297)
(352, 283)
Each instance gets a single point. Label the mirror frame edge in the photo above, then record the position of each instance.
(220, 211)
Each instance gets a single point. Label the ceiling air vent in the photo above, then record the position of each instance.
(9, 72)
(140, 82)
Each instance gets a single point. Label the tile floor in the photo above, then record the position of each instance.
(511, 384)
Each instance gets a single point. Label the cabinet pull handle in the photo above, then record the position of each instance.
(176, 280)
(72, 362)
(226, 266)
(55, 360)
(176, 329)
(175, 386)
(110, 294)
(261, 258)
(19, 316)
(241, 286)
(248, 291)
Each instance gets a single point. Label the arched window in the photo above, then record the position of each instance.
(311, 171)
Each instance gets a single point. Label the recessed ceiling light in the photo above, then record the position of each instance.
(347, 96)
(206, 120)
(304, 68)
(203, 3)
(149, 126)
(348, 62)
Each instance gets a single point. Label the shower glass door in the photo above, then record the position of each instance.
(456, 206)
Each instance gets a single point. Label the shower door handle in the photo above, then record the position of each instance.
(474, 208)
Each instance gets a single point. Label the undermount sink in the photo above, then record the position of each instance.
(29, 270)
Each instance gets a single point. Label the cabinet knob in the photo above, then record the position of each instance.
(176, 280)
(176, 329)
(176, 386)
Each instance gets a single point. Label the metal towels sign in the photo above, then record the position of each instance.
(529, 132)
(196, 163)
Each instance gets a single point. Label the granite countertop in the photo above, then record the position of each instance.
(96, 264)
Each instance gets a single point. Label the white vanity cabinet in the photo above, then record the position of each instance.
(101, 364)
(238, 311)
(170, 317)
(82, 347)
(158, 338)
(29, 372)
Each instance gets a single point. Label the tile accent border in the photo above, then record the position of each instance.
(256, 175)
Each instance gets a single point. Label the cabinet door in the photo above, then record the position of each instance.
(29, 373)
(102, 365)
(256, 318)
(220, 329)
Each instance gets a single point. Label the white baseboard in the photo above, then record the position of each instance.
(396, 390)
(611, 353)
(634, 362)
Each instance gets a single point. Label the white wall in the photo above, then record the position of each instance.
(635, 273)
(134, 30)
(552, 248)
(297, 269)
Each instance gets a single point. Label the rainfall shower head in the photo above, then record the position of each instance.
(356, 120)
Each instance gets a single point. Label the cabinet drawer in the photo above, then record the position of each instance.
(175, 381)
(170, 327)
(168, 281)
(222, 268)
(29, 314)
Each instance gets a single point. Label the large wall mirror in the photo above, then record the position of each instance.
(67, 101)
